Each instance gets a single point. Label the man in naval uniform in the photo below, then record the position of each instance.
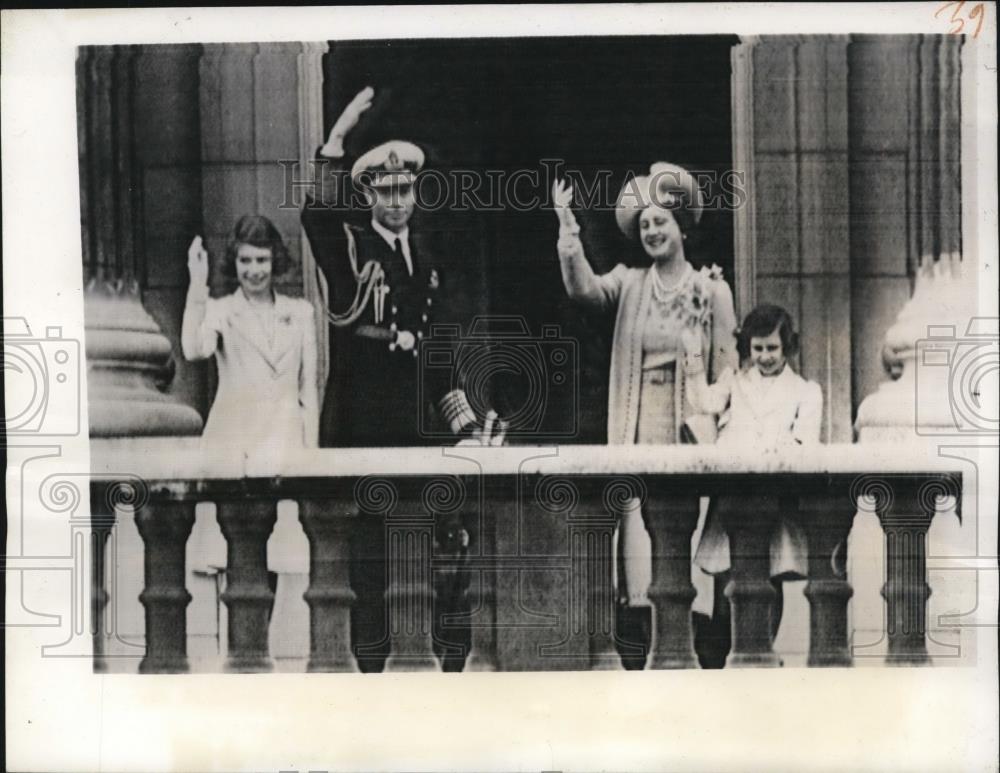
(386, 287)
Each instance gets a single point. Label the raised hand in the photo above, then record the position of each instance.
(351, 115)
(198, 263)
(562, 200)
(562, 193)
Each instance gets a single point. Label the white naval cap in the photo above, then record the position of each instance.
(392, 163)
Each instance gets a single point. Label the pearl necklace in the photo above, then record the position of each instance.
(661, 292)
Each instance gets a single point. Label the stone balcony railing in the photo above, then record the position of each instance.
(582, 488)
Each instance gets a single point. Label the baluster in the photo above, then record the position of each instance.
(102, 520)
(328, 525)
(246, 524)
(596, 536)
(563, 497)
(592, 611)
(906, 513)
(579, 596)
(499, 498)
(671, 521)
(410, 596)
(165, 527)
(601, 598)
(827, 518)
(750, 522)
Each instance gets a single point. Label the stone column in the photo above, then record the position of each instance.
(410, 595)
(906, 590)
(165, 527)
(919, 239)
(246, 524)
(672, 519)
(128, 357)
(906, 506)
(750, 522)
(328, 524)
(827, 518)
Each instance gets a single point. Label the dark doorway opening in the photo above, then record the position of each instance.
(603, 107)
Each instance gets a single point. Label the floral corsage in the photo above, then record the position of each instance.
(693, 305)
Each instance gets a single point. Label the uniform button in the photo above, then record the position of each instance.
(394, 310)
(430, 302)
(423, 317)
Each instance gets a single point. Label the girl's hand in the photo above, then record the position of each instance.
(198, 263)
(351, 115)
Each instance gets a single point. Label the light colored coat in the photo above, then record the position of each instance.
(757, 413)
(267, 397)
(631, 289)
(760, 412)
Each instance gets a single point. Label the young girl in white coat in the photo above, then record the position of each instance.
(266, 405)
(765, 405)
(264, 344)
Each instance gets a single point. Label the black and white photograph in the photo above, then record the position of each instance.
(482, 350)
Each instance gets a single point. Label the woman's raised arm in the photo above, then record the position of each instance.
(581, 283)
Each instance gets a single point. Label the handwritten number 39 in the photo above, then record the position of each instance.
(977, 13)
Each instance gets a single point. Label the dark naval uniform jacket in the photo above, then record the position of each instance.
(376, 395)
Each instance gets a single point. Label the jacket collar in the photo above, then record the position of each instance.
(391, 236)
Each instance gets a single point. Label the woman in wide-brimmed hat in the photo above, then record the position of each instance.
(647, 402)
